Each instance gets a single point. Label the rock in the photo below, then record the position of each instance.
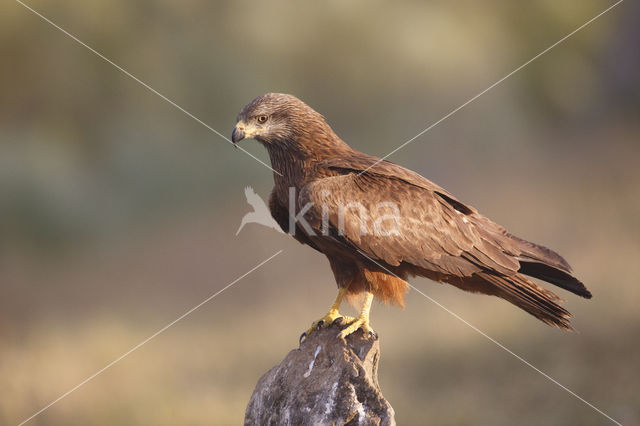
(326, 381)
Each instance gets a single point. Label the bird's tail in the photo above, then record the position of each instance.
(543, 263)
(555, 276)
(527, 295)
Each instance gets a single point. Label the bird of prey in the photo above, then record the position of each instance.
(379, 223)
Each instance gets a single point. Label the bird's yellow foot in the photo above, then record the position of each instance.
(332, 317)
(360, 322)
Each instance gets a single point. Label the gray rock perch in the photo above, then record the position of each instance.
(324, 382)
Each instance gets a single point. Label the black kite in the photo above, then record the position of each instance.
(346, 199)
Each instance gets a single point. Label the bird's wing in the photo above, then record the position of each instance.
(531, 255)
(394, 221)
(436, 231)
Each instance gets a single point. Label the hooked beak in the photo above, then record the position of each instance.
(237, 135)
(244, 131)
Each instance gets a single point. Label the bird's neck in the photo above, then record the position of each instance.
(294, 161)
(292, 167)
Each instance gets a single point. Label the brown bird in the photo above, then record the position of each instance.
(379, 223)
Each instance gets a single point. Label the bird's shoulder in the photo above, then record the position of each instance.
(361, 166)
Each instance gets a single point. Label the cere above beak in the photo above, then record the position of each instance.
(237, 135)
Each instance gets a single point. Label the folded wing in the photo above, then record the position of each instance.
(403, 220)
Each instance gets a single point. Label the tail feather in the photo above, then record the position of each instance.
(541, 262)
(536, 252)
(536, 300)
(554, 276)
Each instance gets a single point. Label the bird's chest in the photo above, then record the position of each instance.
(286, 193)
(288, 187)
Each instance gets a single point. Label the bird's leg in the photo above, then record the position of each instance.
(362, 321)
(332, 316)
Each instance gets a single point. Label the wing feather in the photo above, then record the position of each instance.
(435, 231)
(424, 231)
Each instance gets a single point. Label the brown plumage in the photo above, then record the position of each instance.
(430, 233)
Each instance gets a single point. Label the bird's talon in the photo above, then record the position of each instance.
(332, 317)
(359, 323)
(302, 336)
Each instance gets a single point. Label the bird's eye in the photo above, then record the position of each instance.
(262, 119)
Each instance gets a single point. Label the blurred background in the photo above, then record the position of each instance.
(118, 212)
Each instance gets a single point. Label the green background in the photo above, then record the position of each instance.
(118, 212)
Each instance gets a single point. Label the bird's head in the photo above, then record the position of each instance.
(277, 118)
